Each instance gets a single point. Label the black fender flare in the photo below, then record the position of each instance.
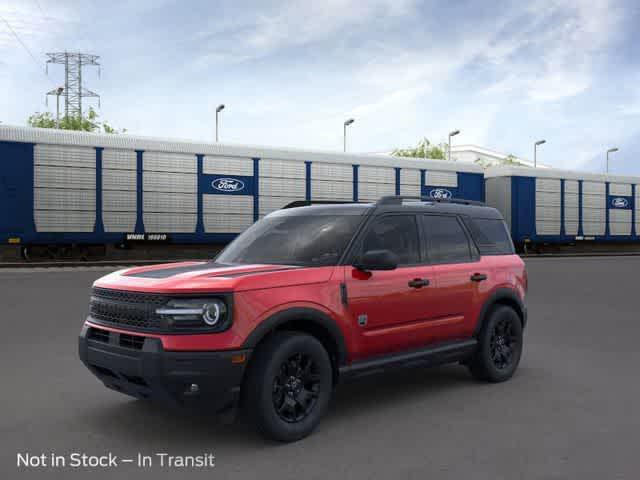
(296, 314)
(502, 296)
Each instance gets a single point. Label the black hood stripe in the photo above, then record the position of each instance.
(169, 272)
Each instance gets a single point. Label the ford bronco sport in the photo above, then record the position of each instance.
(308, 297)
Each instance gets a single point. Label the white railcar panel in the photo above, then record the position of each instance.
(169, 182)
(592, 228)
(371, 192)
(271, 204)
(282, 169)
(64, 221)
(285, 187)
(222, 223)
(64, 177)
(412, 190)
(620, 189)
(547, 213)
(594, 215)
(548, 228)
(119, 180)
(547, 185)
(571, 200)
(409, 176)
(594, 201)
(331, 171)
(119, 200)
(168, 162)
(169, 202)
(548, 199)
(571, 186)
(119, 221)
(571, 213)
(548, 206)
(214, 165)
(619, 222)
(570, 228)
(594, 188)
(65, 156)
(368, 174)
(119, 159)
(441, 179)
(331, 190)
(64, 199)
(226, 204)
(169, 222)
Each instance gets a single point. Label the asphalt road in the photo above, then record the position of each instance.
(570, 412)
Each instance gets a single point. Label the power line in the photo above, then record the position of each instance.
(24, 45)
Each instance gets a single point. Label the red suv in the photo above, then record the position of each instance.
(308, 297)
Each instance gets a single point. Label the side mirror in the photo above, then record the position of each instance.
(377, 260)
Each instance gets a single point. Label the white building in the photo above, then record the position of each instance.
(487, 157)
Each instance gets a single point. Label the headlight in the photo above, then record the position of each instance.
(208, 313)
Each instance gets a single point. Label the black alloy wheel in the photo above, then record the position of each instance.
(503, 343)
(296, 388)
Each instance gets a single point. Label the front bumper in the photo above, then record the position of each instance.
(139, 366)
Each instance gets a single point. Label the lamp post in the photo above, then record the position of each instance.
(218, 110)
(535, 152)
(451, 134)
(344, 133)
(611, 150)
(58, 91)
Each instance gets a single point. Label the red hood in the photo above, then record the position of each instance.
(193, 277)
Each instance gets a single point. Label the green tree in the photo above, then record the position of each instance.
(508, 160)
(432, 151)
(88, 123)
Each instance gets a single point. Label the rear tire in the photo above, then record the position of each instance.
(289, 386)
(499, 346)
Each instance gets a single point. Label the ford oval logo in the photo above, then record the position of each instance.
(619, 202)
(228, 185)
(440, 194)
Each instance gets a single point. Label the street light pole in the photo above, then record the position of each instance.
(344, 133)
(218, 110)
(451, 134)
(535, 152)
(611, 150)
(59, 91)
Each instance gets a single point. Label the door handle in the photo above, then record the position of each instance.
(478, 277)
(418, 282)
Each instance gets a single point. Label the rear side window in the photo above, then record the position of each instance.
(447, 242)
(397, 233)
(491, 236)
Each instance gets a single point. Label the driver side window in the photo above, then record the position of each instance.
(397, 233)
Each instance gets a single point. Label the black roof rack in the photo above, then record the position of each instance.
(308, 203)
(398, 199)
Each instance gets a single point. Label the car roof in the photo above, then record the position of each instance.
(394, 204)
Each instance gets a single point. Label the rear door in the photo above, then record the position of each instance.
(390, 310)
(458, 275)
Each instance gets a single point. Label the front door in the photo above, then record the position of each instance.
(389, 310)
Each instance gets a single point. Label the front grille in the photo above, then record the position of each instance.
(131, 341)
(99, 335)
(127, 309)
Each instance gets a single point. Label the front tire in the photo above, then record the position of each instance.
(499, 346)
(289, 386)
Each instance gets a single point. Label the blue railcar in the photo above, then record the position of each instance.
(73, 188)
(549, 206)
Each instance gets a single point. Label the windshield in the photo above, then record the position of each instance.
(309, 240)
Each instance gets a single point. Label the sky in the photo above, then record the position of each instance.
(505, 73)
